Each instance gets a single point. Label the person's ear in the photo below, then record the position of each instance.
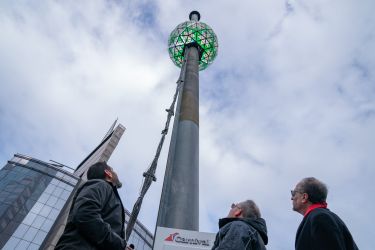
(108, 173)
(305, 198)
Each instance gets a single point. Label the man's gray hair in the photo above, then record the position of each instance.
(316, 190)
(250, 209)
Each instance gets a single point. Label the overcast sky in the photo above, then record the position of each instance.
(291, 94)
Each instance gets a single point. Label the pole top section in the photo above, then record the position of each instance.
(194, 16)
(192, 33)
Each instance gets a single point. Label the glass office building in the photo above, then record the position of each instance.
(141, 238)
(35, 198)
(32, 194)
(101, 153)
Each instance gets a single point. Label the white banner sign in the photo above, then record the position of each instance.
(178, 239)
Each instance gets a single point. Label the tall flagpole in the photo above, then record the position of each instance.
(192, 43)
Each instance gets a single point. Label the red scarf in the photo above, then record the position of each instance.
(314, 206)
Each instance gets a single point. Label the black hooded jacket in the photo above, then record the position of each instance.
(96, 219)
(241, 233)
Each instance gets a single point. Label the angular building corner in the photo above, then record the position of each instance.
(35, 196)
(101, 153)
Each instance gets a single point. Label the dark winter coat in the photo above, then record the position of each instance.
(96, 219)
(241, 233)
(322, 229)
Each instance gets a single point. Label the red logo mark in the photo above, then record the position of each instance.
(171, 237)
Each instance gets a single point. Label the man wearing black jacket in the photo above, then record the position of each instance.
(242, 229)
(320, 228)
(96, 218)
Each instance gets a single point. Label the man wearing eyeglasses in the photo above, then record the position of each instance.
(320, 228)
(243, 228)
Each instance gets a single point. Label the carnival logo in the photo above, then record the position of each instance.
(171, 237)
(175, 237)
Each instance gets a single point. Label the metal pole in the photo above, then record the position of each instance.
(179, 204)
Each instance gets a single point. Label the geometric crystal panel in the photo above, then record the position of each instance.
(189, 32)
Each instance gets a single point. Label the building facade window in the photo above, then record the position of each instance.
(32, 196)
(140, 237)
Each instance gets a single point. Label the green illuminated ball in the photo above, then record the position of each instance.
(189, 32)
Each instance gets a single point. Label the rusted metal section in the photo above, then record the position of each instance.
(190, 94)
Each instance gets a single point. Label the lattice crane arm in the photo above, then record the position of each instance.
(149, 175)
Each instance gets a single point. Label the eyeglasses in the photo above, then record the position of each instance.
(294, 192)
(234, 205)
